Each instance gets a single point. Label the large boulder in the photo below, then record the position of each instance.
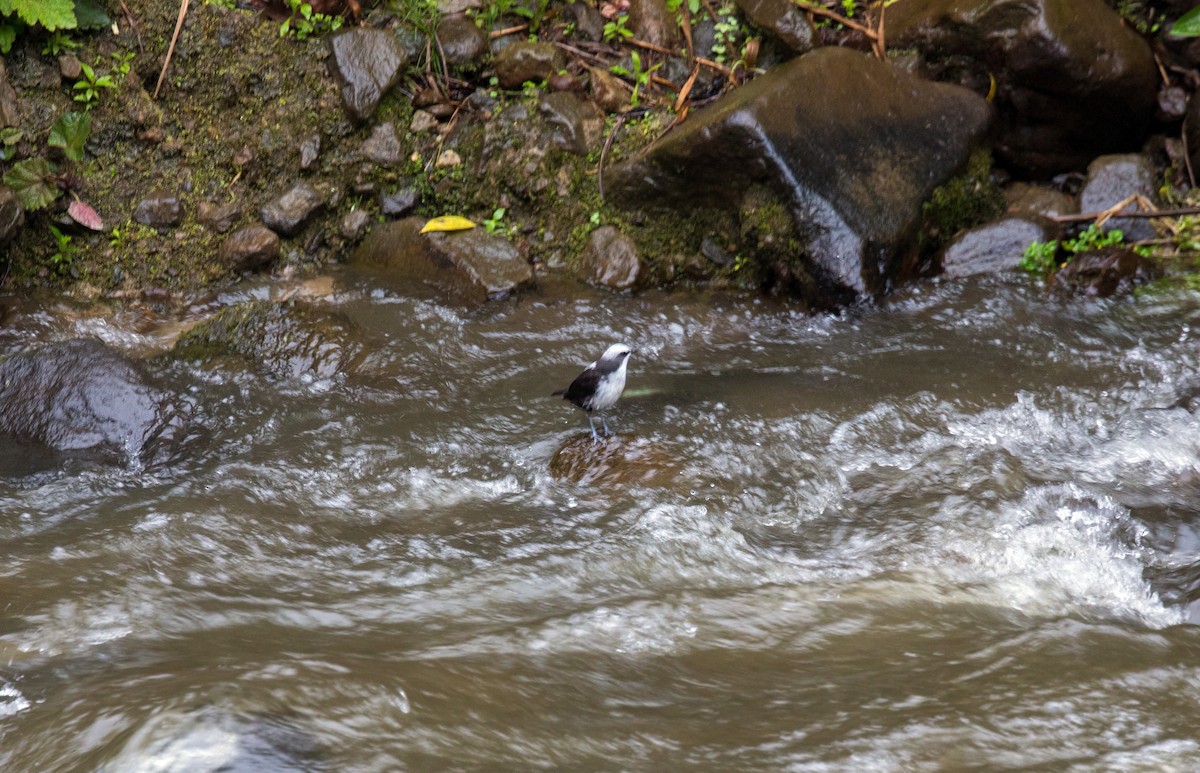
(851, 145)
(82, 398)
(1072, 81)
(467, 267)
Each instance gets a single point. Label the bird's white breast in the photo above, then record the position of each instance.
(609, 389)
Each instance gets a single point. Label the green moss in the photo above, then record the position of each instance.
(965, 201)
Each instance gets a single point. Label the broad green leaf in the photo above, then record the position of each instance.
(70, 132)
(49, 14)
(29, 179)
(90, 16)
(447, 223)
(8, 33)
(1188, 25)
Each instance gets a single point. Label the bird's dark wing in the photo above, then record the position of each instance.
(583, 387)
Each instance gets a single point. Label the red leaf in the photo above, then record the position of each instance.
(83, 214)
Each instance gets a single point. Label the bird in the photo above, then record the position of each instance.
(599, 386)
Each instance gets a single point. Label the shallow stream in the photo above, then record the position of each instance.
(960, 531)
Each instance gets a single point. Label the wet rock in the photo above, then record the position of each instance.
(577, 125)
(589, 24)
(160, 209)
(855, 191)
(353, 224)
(461, 41)
(1103, 273)
(1072, 80)
(12, 214)
(218, 217)
(1112, 179)
(82, 398)
(290, 340)
(249, 248)
(1028, 199)
(288, 213)
(651, 21)
(993, 247)
(609, 92)
(10, 109)
(620, 460)
(383, 147)
(1172, 104)
(367, 63)
(467, 267)
(711, 249)
(610, 259)
(399, 203)
(310, 150)
(526, 61)
(783, 21)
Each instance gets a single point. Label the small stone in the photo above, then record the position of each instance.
(461, 41)
(1030, 199)
(368, 62)
(399, 203)
(69, 67)
(783, 20)
(448, 158)
(160, 209)
(589, 24)
(711, 249)
(609, 92)
(287, 214)
(353, 223)
(994, 247)
(578, 125)
(382, 146)
(526, 61)
(310, 150)
(1112, 179)
(249, 248)
(423, 121)
(217, 217)
(610, 259)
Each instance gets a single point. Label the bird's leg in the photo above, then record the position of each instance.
(592, 424)
(604, 421)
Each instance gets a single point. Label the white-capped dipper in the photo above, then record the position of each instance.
(599, 386)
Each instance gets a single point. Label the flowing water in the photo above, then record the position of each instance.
(959, 531)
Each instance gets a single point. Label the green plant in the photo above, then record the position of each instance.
(88, 87)
(725, 33)
(57, 42)
(34, 181)
(48, 15)
(122, 62)
(70, 133)
(1040, 257)
(495, 223)
(64, 252)
(617, 29)
(304, 22)
(9, 137)
(639, 76)
(1043, 257)
(1188, 25)
(1093, 238)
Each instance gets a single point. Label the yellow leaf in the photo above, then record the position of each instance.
(448, 223)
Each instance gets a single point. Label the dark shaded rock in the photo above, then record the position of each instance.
(711, 249)
(783, 21)
(290, 339)
(310, 150)
(250, 248)
(610, 259)
(367, 62)
(217, 217)
(652, 22)
(82, 398)
(1172, 104)
(608, 91)
(1103, 273)
(1072, 80)
(12, 214)
(353, 224)
(10, 109)
(288, 213)
(619, 460)
(589, 24)
(463, 266)
(382, 147)
(577, 124)
(993, 247)
(1027, 199)
(853, 161)
(160, 209)
(461, 41)
(399, 203)
(526, 61)
(1112, 179)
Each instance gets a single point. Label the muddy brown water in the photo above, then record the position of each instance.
(960, 531)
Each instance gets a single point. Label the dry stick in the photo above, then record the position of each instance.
(133, 23)
(662, 50)
(508, 31)
(608, 141)
(681, 99)
(880, 43)
(183, 8)
(842, 20)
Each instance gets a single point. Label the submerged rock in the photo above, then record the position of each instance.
(620, 460)
(610, 259)
(289, 340)
(287, 214)
(997, 246)
(1072, 81)
(462, 266)
(1111, 180)
(1103, 273)
(83, 398)
(853, 160)
(367, 62)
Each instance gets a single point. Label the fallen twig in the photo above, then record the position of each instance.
(183, 9)
(134, 25)
(608, 141)
(508, 31)
(1104, 215)
(842, 20)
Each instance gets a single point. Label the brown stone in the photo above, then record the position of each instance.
(250, 248)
